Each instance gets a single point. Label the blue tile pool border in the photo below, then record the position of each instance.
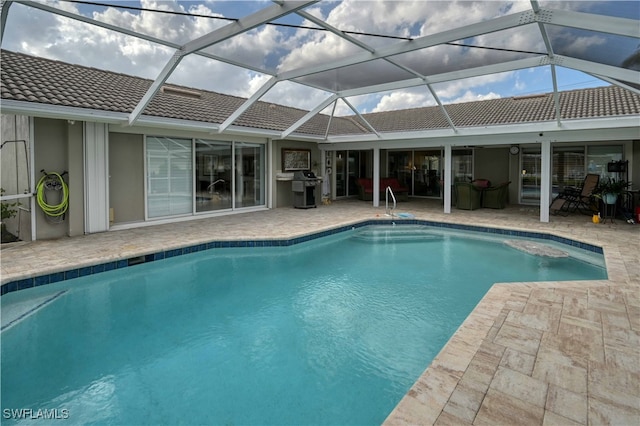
(124, 263)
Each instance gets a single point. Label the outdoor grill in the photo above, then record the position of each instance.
(304, 189)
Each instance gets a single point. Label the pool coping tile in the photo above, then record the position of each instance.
(70, 274)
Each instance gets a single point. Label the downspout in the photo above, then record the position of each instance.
(32, 177)
(545, 183)
(270, 175)
(447, 178)
(376, 177)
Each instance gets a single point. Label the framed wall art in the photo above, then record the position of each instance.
(295, 159)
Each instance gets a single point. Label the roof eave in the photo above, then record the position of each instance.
(61, 112)
(625, 127)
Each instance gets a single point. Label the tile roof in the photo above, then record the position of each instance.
(33, 79)
(575, 104)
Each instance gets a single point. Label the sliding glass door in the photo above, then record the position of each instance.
(420, 171)
(220, 175)
(347, 170)
(169, 177)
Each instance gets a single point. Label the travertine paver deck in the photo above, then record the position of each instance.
(530, 353)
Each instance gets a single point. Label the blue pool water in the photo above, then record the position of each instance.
(332, 331)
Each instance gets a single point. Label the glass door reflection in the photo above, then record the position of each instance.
(427, 174)
(531, 164)
(213, 175)
(249, 179)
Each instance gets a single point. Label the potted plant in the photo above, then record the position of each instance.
(7, 211)
(608, 190)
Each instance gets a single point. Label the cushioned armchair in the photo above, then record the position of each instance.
(468, 196)
(495, 197)
(365, 189)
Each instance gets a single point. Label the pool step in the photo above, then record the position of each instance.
(13, 314)
(381, 234)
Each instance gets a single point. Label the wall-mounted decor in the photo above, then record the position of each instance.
(328, 161)
(295, 159)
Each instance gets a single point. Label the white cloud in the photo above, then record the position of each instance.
(454, 89)
(403, 99)
(252, 48)
(72, 41)
(342, 109)
(401, 18)
(256, 82)
(519, 84)
(580, 45)
(295, 95)
(43, 34)
(383, 17)
(311, 47)
(470, 96)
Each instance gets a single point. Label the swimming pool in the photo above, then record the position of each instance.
(333, 330)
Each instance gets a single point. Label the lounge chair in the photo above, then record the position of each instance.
(571, 199)
(468, 196)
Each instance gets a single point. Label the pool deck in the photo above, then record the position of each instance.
(530, 353)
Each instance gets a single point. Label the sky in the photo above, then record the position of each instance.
(281, 48)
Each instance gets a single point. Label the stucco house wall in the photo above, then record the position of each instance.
(126, 177)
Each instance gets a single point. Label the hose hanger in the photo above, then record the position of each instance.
(53, 182)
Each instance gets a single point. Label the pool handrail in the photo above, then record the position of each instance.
(386, 196)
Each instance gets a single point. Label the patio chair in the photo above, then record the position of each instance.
(495, 197)
(571, 199)
(468, 196)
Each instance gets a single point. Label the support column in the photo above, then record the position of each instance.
(447, 178)
(270, 178)
(376, 177)
(545, 181)
(96, 175)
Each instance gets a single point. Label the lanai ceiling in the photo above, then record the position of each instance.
(601, 39)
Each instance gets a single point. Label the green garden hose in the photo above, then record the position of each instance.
(52, 181)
